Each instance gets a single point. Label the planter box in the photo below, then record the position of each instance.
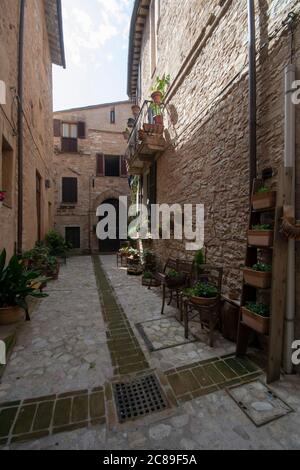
(263, 238)
(11, 315)
(153, 128)
(204, 301)
(262, 201)
(261, 280)
(256, 322)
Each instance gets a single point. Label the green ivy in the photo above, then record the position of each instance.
(262, 310)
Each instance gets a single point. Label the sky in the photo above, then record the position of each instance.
(96, 36)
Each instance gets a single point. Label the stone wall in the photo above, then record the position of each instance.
(101, 137)
(207, 117)
(38, 140)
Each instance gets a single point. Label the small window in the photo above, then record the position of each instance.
(6, 172)
(70, 131)
(72, 236)
(69, 191)
(112, 165)
(113, 116)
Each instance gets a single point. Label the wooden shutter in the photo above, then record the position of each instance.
(100, 164)
(81, 130)
(57, 127)
(69, 191)
(69, 145)
(123, 166)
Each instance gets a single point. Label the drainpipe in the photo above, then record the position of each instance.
(20, 127)
(252, 94)
(290, 162)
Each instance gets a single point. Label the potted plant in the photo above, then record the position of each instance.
(159, 89)
(148, 279)
(2, 197)
(261, 235)
(257, 317)
(126, 134)
(16, 284)
(260, 275)
(153, 128)
(264, 198)
(157, 114)
(175, 279)
(39, 259)
(131, 123)
(57, 245)
(203, 293)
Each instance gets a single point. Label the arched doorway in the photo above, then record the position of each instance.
(109, 245)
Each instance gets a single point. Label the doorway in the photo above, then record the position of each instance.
(109, 245)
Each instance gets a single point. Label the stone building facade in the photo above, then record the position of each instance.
(32, 215)
(90, 169)
(204, 47)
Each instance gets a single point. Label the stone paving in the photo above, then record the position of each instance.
(64, 347)
(194, 420)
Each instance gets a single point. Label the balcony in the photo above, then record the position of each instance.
(146, 140)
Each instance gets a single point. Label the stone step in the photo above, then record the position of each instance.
(8, 334)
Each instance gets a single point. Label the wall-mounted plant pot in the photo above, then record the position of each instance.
(153, 128)
(157, 97)
(135, 110)
(158, 120)
(260, 238)
(262, 201)
(204, 301)
(11, 315)
(256, 322)
(258, 279)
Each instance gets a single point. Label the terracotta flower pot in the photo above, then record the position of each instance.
(262, 238)
(159, 120)
(261, 280)
(157, 97)
(203, 301)
(11, 315)
(262, 201)
(256, 322)
(141, 134)
(135, 110)
(153, 128)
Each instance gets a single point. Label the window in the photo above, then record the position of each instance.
(6, 172)
(69, 191)
(69, 141)
(113, 116)
(70, 131)
(112, 166)
(72, 236)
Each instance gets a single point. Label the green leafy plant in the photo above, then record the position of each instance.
(260, 309)
(204, 289)
(199, 258)
(262, 267)
(262, 227)
(173, 275)
(263, 190)
(16, 283)
(147, 275)
(39, 260)
(57, 244)
(161, 84)
(156, 109)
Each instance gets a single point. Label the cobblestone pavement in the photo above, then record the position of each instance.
(64, 347)
(75, 420)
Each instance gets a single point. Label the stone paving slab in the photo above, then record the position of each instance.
(39, 417)
(64, 346)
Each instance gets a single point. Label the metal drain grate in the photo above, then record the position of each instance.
(138, 398)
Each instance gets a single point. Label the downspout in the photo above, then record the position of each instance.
(20, 127)
(290, 162)
(252, 95)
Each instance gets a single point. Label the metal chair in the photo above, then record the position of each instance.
(209, 315)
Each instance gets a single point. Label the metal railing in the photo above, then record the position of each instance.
(145, 116)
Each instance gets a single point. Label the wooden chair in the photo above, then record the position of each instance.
(183, 267)
(209, 315)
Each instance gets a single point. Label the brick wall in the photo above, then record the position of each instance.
(207, 159)
(101, 137)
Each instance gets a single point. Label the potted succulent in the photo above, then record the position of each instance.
(203, 293)
(16, 284)
(264, 198)
(260, 275)
(175, 279)
(2, 197)
(257, 317)
(261, 235)
(159, 89)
